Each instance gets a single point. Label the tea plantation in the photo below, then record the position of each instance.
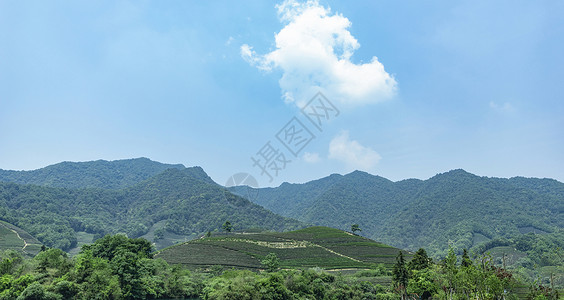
(322, 247)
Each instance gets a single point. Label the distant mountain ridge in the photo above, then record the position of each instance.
(143, 197)
(103, 174)
(175, 204)
(454, 207)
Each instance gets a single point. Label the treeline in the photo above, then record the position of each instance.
(117, 267)
(117, 174)
(464, 278)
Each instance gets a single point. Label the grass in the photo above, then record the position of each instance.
(322, 247)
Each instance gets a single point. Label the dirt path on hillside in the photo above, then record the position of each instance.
(337, 253)
(18, 235)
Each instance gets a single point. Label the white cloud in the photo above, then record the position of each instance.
(311, 157)
(229, 41)
(503, 107)
(352, 153)
(313, 50)
(250, 56)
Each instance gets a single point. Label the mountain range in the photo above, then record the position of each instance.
(169, 203)
(455, 208)
(180, 203)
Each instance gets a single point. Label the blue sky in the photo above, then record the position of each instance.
(421, 88)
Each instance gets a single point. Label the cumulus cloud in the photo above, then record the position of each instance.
(314, 51)
(352, 153)
(311, 157)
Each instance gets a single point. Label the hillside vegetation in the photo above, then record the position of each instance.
(181, 202)
(117, 267)
(456, 207)
(323, 247)
(102, 174)
(71, 204)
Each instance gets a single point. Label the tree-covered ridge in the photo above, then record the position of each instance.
(456, 207)
(184, 200)
(103, 174)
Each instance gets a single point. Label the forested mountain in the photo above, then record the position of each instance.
(185, 202)
(464, 209)
(455, 207)
(103, 174)
(171, 203)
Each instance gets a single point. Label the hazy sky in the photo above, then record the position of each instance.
(411, 88)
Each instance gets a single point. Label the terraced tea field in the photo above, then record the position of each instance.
(14, 238)
(322, 247)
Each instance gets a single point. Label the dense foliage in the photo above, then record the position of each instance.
(185, 201)
(453, 207)
(93, 174)
(457, 208)
(518, 220)
(116, 267)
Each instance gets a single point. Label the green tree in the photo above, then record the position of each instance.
(227, 226)
(449, 265)
(9, 261)
(271, 262)
(108, 246)
(36, 291)
(466, 261)
(400, 275)
(355, 228)
(127, 267)
(420, 260)
(159, 234)
(272, 287)
(424, 280)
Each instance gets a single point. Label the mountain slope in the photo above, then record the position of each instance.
(115, 174)
(185, 202)
(191, 204)
(455, 207)
(290, 199)
(14, 238)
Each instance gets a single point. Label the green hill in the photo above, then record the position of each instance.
(454, 207)
(460, 207)
(177, 204)
(103, 174)
(323, 247)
